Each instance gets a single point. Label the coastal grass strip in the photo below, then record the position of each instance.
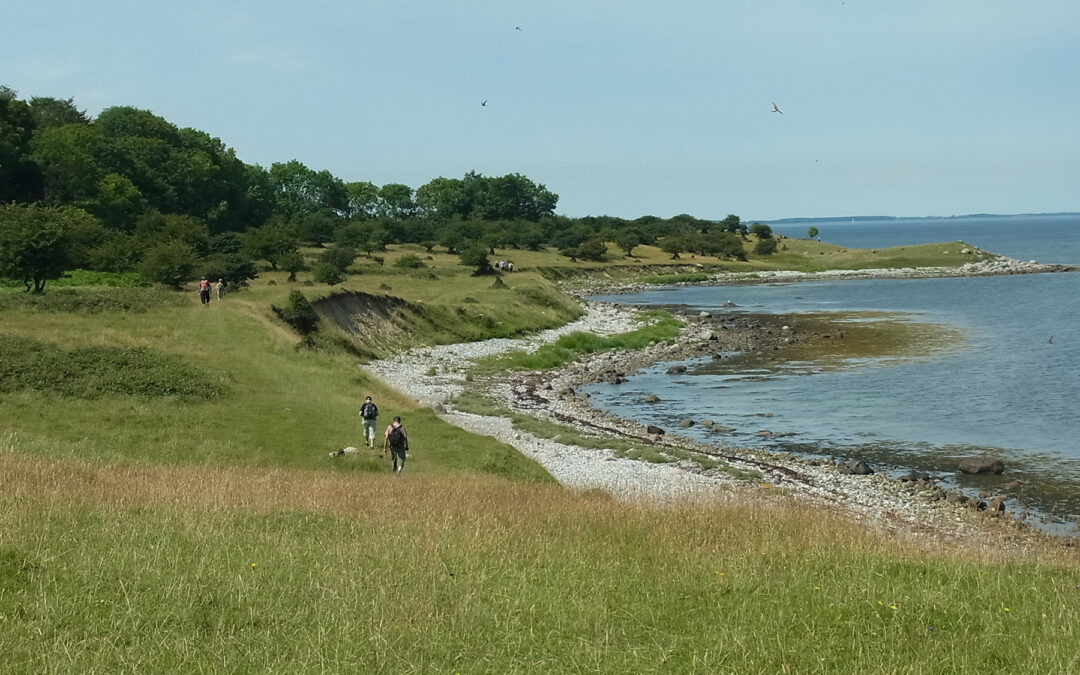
(661, 327)
(129, 568)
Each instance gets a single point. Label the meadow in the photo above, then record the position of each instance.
(167, 504)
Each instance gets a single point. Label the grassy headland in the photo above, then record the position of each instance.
(200, 525)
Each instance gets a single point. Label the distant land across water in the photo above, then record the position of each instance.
(861, 219)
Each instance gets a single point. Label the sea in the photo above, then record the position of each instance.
(1008, 387)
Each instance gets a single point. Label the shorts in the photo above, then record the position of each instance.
(369, 429)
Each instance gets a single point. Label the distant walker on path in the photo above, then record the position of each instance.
(368, 414)
(204, 291)
(398, 441)
(220, 288)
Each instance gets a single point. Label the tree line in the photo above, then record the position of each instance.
(128, 191)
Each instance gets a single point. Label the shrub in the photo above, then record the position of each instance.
(299, 314)
(476, 256)
(93, 372)
(410, 261)
(765, 247)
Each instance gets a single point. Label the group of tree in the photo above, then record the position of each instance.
(128, 191)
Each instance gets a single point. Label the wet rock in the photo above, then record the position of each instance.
(764, 433)
(955, 497)
(856, 467)
(686, 424)
(721, 429)
(652, 398)
(708, 424)
(981, 465)
(676, 370)
(1011, 486)
(915, 476)
(654, 431)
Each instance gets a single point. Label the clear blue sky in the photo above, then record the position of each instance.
(625, 108)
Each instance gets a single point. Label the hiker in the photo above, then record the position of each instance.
(204, 291)
(398, 441)
(368, 413)
(220, 288)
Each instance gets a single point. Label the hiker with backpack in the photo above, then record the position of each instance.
(368, 413)
(397, 439)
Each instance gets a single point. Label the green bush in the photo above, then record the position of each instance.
(93, 372)
(410, 261)
(299, 314)
(91, 301)
(765, 247)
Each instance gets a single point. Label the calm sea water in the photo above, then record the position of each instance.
(1010, 388)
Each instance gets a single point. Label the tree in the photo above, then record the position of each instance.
(593, 249)
(396, 201)
(362, 200)
(475, 255)
(812, 232)
(300, 191)
(338, 257)
(765, 246)
(292, 263)
(272, 241)
(673, 245)
(761, 230)
(54, 112)
(328, 274)
(299, 314)
(34, 245)
(20, 179)
(628, 239)
(171, 263)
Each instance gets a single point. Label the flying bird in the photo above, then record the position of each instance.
(517, 27)
(777, 110)
(483, 103)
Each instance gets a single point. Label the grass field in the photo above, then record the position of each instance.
(198, 525)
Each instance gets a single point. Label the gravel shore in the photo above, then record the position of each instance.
(896, 506)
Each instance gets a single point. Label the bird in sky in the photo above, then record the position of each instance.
(483, 103)
(777, 110)
(517, 27)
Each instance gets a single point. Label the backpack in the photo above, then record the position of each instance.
(370, 411)
(396, 438)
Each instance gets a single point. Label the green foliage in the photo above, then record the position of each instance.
(325, 273)
(94, 372)
(812, 232)
(91, 301)
(761, 230)
(34, 244)
(765, 246)
(339, 257)
(299, 314)
(272, 241)
(171, 263)
(593, 250)
(569, 347)
(476, 257)
(410, 261)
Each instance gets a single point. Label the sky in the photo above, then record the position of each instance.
(621, 107)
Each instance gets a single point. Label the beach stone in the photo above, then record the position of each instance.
(764, 432)
(996, 504)
(955, 497)
(654, 431)
(652, 398)
(707, 424)
(981, 465)
(676, 370)
(721, 429)
(686, 424)
(856, 467)
(915, 477)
